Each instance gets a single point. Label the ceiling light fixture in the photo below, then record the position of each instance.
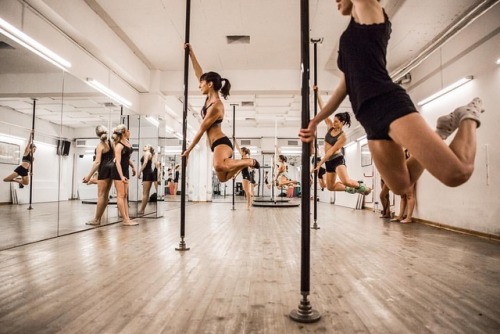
(108, 92)
(29, 43)
(446, 90)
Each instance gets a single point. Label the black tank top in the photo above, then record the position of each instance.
(27, 158)
(362, 59)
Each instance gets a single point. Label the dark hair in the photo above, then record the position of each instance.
(344, 118)
(245, 150)
(282, 157)
(217, 80)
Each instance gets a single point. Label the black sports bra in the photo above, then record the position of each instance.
(204, 111)
(332, 139)
(27, 158)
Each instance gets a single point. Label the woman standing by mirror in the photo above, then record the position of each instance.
(20, 174)
(148, 175)
(120, 174)
(103, 156)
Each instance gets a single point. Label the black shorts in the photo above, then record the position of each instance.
(321, 172)
(104, 171)
(148, 176)
(331, 165)
(377, 114)
(245, 174)
(21, 171)
(222, 141)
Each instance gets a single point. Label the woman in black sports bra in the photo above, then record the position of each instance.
(20, 174)
(103, 155)
(335, 140)
(213, 114)
(120, 174)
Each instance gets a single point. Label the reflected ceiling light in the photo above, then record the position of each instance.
(498, 61)
(446, 90)
(153, 121)
(108, 92)
(169, 129)
(29, 43)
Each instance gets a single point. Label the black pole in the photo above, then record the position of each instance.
(234, 145)
(32, 139)
(305, 312)
(182, 243)
(315, 159)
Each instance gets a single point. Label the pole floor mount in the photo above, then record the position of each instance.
(305, 313)
(182, 246)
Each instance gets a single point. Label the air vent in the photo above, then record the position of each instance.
(135, 146)
(238, 39)
(81, 143)
(5, 46)
(109, 104)
(293, 143)
(249, 118)
(247, 103)
(246, 142)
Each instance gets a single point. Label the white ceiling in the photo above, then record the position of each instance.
(154, 30)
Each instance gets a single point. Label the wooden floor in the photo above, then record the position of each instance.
(242, 275)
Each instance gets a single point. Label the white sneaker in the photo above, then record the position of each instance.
(447, 124)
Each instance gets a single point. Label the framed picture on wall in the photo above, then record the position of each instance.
(366, 156)
(9, 153)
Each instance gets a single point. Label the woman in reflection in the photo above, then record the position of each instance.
(212, 114)
(282, 179)
(335, 140)
(148, 175)
(176, 179)
(120, 174)
(20, 174)
(246, 175)
(103, 156)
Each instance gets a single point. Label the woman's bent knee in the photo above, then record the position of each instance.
(458, 177)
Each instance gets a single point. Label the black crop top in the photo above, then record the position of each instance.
(204, 111)
(362, 58)
(27, 158)
(332, 139)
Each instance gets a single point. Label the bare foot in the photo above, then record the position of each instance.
(93, 223)
(130, 223)
(406, 221)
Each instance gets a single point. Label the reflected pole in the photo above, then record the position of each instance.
(31, 153)
(234, 145)
(305, 313)
(182, 243)
(315, 159)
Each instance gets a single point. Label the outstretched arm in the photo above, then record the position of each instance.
(238, 147)
(28, 144)
(95, 165)
(321, 105)
(196, 66)
(338, 95)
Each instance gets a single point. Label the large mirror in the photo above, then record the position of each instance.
(53, 200)
(30, 97)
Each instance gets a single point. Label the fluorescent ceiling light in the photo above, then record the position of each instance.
(498, 61)
(153, 121)
(446, 90)
(108, 92)
(29, 43)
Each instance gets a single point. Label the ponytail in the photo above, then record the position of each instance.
(225, 89)
(344, 118)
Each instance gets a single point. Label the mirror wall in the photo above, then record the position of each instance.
(64, 111)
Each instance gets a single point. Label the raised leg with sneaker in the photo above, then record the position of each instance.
(447, 124)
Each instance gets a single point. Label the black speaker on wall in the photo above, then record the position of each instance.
(63, 147)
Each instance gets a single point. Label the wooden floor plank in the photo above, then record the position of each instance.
(242, 275)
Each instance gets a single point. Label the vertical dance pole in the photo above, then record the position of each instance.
(182, 243)
(305, 312)
(234, 145)
(31, 153)
(315, 42)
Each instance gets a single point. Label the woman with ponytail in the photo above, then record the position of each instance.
(212, 113)
(103, 155)
(335, 140)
